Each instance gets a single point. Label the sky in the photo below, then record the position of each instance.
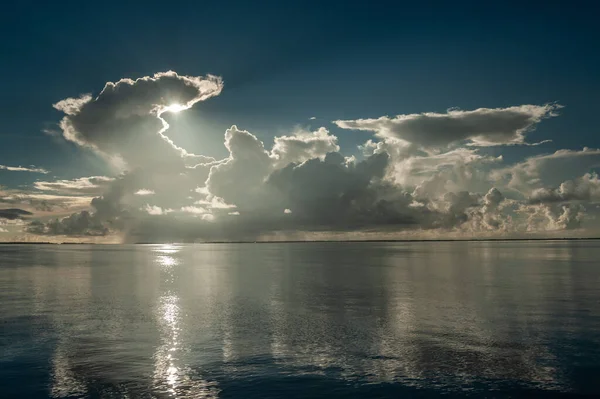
(203, 121)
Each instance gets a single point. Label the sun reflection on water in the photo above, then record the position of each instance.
(172, 376)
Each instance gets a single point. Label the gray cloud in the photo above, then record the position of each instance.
(77, 224)
(482, 127)
(14, 213)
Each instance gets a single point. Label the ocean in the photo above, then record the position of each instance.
(301, 320)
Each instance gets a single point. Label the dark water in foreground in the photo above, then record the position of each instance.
(300, 320)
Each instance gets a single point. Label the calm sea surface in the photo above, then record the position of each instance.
(311, 320)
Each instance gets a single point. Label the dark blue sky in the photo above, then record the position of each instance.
(284, 62)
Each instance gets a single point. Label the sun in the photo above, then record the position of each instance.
(175, 108)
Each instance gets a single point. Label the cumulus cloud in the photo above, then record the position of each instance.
(585, 188)
(124, 121)
(154, 210)
(549, 217)
(302, 146)
(238, 180)
(194, 210)
(31, 169)
(424, 173)
(546, 170)
(481, 127)
(333, 194)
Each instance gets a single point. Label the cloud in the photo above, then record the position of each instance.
(77, 224)
(332, 194)
(195, 210)
(144, 191)
(585, 188)
(547, 170)
(548, 217)
(31, 169)
(481, 127)
(238, 179)
(302, 146)
(153, 210)
(124, 121)
(455, 170)
(14, 213)
(422, 175)
(43, 204)
(93, 185)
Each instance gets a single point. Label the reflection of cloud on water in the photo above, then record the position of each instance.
(192, 321)
(440, 319)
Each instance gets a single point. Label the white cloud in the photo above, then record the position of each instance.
(93, 185)
(302, 146)
(547, 170)
(546, 217)
(208, 217)
(154, 210)
(585, 188)
(31, 169)
(144, 191)
(287, 211)
(481, 127)
(214, 202)
(124, 121)
(196, 210)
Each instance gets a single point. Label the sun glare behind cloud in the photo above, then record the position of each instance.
(175, 108)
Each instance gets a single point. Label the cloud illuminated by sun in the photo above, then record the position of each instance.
(175, 108)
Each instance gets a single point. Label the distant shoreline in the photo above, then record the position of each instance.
(311, 241)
